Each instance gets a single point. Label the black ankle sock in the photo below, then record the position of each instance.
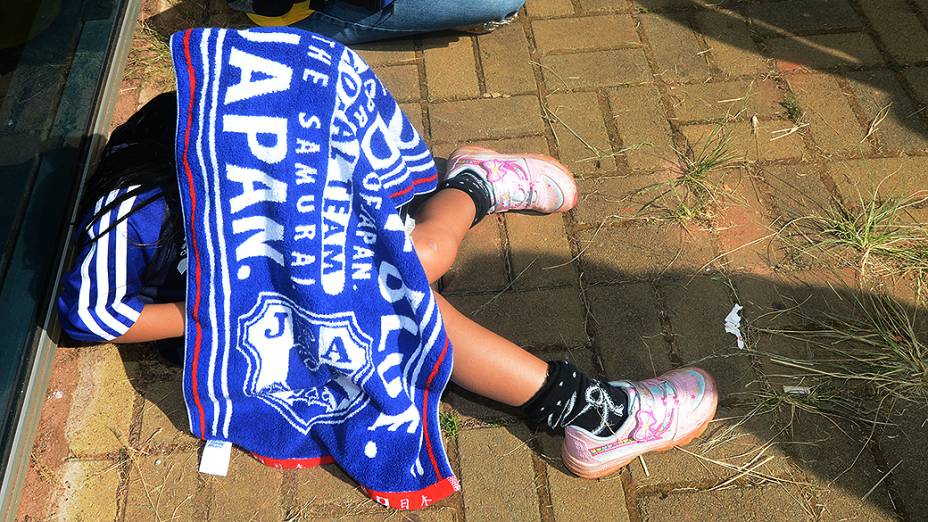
(570, 398)
(475, 187)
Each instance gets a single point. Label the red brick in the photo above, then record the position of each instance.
(643, 128)
(635, 253)
(908, 442)
(728, 36)
(236, 497)
(825, 51)
(833, 124)
(549, 7)
(628, 334)
(389, 52)
(103, 402)
(878, 93)
(894, 177)
(551, 318)
(164, 414)
(677, 51)
(797, 190)
(803, 16)
(697, 309)
(616, 199)
(745, 233)
(89, 491)
(164, 487)
(506, 62)
(413, 111)
(401, 80)
(488, 118)
(589, 32)
(574, 498)
(899, 29)
(451, 68)
(497, 475)
(765, 504)
(582, 141)
(540, 252)
(917, 78)
(725, 100)
(744, 144)
(590, 6)
(595, 69)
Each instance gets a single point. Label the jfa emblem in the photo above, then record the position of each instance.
(286, 346)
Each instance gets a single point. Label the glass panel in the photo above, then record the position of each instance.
(52, 61)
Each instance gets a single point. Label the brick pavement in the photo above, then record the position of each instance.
(616, 89)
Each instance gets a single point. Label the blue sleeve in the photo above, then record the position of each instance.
(99, 299)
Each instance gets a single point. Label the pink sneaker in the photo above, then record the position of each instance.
(518, 182)
(664, 412)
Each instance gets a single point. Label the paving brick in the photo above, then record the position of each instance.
(481, 263)
(414, 112)
(506, 62)
(537, 318)
(164, 487)
(908, 442)
(641, 252)
(643, 127)
(530, 144)
(824, 51)
(236, 497)
(316, 488)
(918, 81)
(803, 16)
(451, 68)
(574, 498)
(164, 414)
(615, 198)
(797, 189)
(894, 177)
(390, 52)
(728, 36)
(767, 504)
(725, 441)
(833, 124)
(595, 69)
(779, 300)
(697, 310)
(88, 491)
(841, 469)
(899, 29)
(725, 100)
(878, 93)
(497, 475)
(583, 145)
(589, 32)
(401, 80)
(744, 143)
(677, 52)
(590, 6)
(628, 337)
(102, 408)
(549, 7)
(743, 225)
(487, 118)
(540, 252)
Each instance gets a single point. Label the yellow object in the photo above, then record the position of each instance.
(299, 11)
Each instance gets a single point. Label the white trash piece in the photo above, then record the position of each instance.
(733, 325)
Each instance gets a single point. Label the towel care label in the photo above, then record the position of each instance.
(216, 457)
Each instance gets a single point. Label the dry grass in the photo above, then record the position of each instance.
(877, 236)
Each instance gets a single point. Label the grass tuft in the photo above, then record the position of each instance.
(450, 424)
(793, 110)
(877, 236)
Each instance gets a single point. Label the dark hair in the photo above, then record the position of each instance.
(139, 154)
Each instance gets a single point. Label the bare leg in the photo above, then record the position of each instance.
(484, 362)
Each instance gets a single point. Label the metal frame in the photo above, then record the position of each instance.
(44, 341)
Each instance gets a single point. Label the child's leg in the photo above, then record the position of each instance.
(488, 364)
(441, 223)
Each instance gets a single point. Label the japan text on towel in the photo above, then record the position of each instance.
(312, 334)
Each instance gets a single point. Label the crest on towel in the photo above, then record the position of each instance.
(289, 351)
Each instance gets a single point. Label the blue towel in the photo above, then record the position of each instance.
(312, 334)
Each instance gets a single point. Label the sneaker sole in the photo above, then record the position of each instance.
(608, 468)
(565, 179)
